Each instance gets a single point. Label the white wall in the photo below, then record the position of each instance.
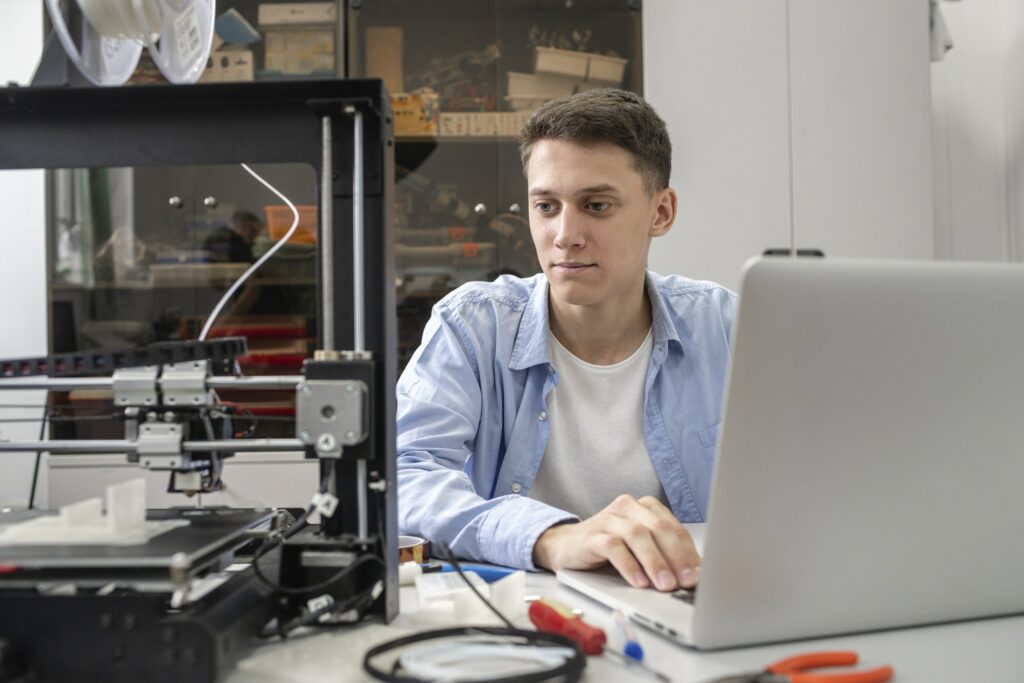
(716, 70)
(23, 256)
(979, 133)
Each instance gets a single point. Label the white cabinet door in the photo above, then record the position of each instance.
(716, 72)
(862, 174)
(856, 83)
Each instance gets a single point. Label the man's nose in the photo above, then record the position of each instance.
(569, 233)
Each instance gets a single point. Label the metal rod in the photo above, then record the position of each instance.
(125, 446)
(56, 383)
(361, 497)
(255, 382)
(327, 234)
(222, 382)
(358, 297)
(71, 446)
(243, 445)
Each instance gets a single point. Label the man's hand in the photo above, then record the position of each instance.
(641, 538)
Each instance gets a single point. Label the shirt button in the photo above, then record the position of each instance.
(517, 487)
(543, 417)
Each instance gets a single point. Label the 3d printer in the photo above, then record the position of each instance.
(181, 601)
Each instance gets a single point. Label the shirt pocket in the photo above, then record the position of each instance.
(709, 438)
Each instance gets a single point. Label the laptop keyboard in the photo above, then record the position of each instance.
(685, 594)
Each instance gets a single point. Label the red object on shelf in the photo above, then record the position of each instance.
(260, 331)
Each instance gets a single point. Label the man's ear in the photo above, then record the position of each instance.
(664, 212)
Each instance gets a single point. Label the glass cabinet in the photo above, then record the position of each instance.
(464, 76)
(142, 255)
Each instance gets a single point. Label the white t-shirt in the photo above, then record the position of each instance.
(596, 450)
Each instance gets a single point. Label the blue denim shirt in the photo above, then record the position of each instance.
(472, 425)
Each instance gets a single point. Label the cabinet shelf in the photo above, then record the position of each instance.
(148, 287)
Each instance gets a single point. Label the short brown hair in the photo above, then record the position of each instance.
(605, 115)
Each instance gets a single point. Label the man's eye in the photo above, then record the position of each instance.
(544, 207)
(598, 206)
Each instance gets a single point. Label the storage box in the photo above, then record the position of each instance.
(454, 124)
(384, 56)
(606, 70)
(299, 51)
(280, 217)
(511, 122)
(228, 65)
(291, 13)
(584, 66)
(566, 62)
(416, 114)
(483, 124)
(545, 85)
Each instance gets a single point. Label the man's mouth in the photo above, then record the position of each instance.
(573, 266)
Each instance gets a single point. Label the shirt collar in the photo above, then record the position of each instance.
(531, 344)
(661, 321)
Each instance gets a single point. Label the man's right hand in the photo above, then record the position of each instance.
(642, 539)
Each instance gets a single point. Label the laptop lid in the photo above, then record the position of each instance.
(871, 458)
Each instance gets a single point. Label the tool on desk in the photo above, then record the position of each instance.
(553, 617)
(630, 643)
(797, 669)
(488, 573)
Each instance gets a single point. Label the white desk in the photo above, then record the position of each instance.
(986, 651)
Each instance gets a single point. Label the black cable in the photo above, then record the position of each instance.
(359, 601)
(449, 557)
(570, 670)
(39, 457)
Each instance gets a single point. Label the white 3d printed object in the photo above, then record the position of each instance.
(84, 523)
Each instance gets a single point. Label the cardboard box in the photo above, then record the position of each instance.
(299, 50)
(416, 114)
(565, 62)
(483, 124)
(292, 13)
(584, 66)
(606, 70)
(228, 65)
(384, 56)
(540, 85)
(511, 122)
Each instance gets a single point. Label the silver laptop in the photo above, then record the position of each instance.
(870, 465)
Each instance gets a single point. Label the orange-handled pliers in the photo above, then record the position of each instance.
(797, 670)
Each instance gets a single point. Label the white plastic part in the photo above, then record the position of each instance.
(103, 59)
(509, 595)
(445, 586)
(84, 522)
(180, 45)
(407, 573)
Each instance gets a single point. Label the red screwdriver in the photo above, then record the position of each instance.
(548, 615)
(553, 617)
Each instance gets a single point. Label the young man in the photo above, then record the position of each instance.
(568, 420)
